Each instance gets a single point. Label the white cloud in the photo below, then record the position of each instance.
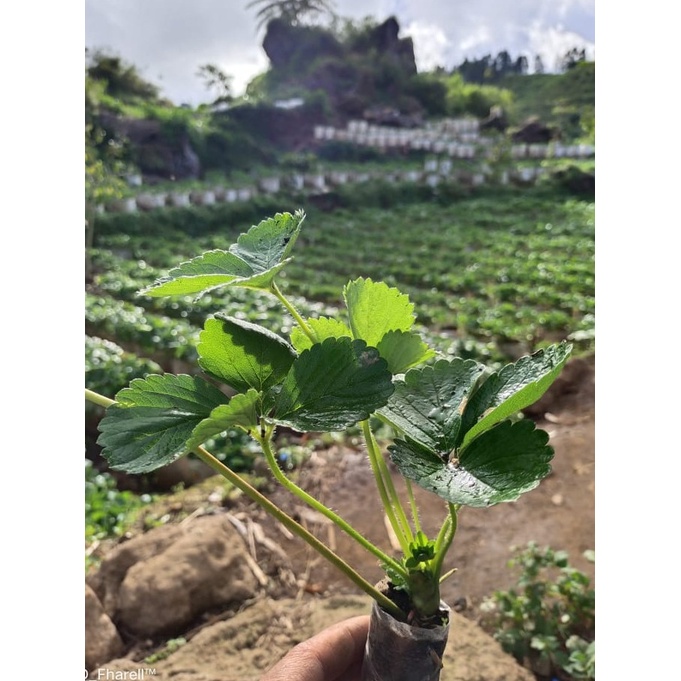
(554, 42)
(430, 44)
(476, 40)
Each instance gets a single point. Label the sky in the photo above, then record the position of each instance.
(167, 40)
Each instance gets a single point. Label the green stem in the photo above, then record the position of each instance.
(412, 504)
(445, 538)
(98, 399)
(298, 530)
(446, 524)
(265, 443)
(294, 313)
(384, 484)
(391, 502)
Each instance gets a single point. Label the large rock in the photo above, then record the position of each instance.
(102, 641)
(386, 40)
(286, 45)
(496, 120)
(352, 75)
(243, 647)
(533, 131)
(106, 581)
(157, 151)
(204, 569)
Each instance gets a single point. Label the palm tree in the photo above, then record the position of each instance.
(290, 11)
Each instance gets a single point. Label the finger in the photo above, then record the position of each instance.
(353, 672)
(326, 656)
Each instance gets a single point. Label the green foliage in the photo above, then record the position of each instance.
(337, 151)
(547, 622)
(430, 91)
(476, 100)
(109, 318)
(193, 221)
(171, 646)
(457, 440)
(252, 262)
(105, 162)
(491, 269)
(108, 510)
(153, 419)
(228, 144)
(109, 368)
(243, 355)
(488, 69)
(564, 100)
(122, 80)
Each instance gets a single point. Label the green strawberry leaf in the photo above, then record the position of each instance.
(375, 308)
(153, 419)
(513, 388)
(243, 355)
(332, 386)
(187, 393)
(253, 262)
(242, 411)
(403, 350)
(323, 328)
(142, 439)
(269, 242)
(502, 463)
(207, 271)
(427, 403)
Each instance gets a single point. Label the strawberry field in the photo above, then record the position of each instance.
(492, 277)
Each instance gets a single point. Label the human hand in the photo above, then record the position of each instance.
(335, 654)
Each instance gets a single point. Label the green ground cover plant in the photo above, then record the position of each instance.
(456, 423)
(108, 510)
(111, 318)
(108, 367)
(548, 621)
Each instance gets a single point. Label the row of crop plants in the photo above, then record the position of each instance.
(492, 273)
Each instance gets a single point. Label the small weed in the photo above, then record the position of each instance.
(171, 646)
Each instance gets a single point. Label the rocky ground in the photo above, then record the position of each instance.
(217, 590)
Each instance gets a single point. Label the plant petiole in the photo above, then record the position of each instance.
(96, 398)
(298, 530)
(293, 312)
(391, 503)
(265, 443)
(412, 504)
(445, 538)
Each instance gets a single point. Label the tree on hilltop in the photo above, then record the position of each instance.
(291, 11)
(217, 80)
